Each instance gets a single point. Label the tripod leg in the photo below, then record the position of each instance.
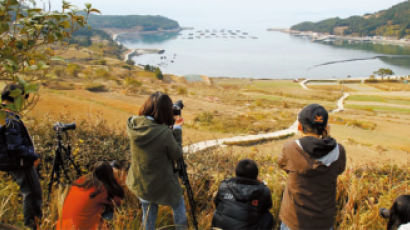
(77, 169)
(65, 171)
(54, 171)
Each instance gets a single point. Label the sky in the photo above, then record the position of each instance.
(260, 13)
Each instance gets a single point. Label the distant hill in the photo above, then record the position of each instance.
(393, 22)
(138, 22)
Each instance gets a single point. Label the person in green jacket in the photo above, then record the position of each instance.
(155, 141)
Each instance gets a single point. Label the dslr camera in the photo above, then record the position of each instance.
(58, 126)
(177, 107)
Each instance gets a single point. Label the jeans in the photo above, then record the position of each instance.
(284, 227)
(179, 211)
(29, 183)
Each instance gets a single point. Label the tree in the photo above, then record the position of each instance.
(27, 34)
(158, 74)
(130, 62)
(382, 72)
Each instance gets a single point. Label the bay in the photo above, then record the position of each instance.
(257, 53)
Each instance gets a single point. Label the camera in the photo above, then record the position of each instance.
(385, 213)
(177, 107)
(64, 127)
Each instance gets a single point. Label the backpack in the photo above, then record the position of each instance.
(12, 161)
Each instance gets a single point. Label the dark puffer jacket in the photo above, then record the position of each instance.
(16, 146)
(241, 203)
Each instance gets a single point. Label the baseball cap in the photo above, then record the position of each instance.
(313, 115)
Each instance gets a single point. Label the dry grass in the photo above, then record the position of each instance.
(358, 202)
(376, 139)
(391, 86)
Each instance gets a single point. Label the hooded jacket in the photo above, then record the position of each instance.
(154, 147)
(241, 203)
(309, 199)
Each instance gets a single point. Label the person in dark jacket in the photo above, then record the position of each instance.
(243, 202)
(399, 214)
(17, 156)
(313, 164)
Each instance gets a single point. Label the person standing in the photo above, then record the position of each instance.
(313, 164)
(155, 144)
(17, 156)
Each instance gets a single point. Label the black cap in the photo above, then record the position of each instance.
(313, 115)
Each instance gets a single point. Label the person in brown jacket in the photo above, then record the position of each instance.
(313, 164)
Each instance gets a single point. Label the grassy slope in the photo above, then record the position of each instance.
(372, 137)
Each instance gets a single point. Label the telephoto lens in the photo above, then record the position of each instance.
(64, 127)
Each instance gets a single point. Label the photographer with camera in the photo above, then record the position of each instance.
(154, 148)
(18, 157)
(90, 198)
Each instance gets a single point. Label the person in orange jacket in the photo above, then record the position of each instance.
(88, 198)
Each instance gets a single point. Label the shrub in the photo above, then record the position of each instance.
(100, 62)
(132, 82)
(130, 62)
(127, 67)
(102, 73)
(59, 71)
(149, 68)
(158, 74)
(96, 87)
(60, 85)
(182, 90)
(73, 69)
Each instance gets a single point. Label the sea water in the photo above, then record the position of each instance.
(238, 52)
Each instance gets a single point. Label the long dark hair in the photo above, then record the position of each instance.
(158, 106)
(101, 177)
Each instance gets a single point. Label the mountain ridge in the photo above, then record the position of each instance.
(392, 22)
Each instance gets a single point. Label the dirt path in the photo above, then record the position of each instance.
(249, 139)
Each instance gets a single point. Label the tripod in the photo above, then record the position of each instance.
(62, 155)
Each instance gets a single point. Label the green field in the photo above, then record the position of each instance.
(383, 99)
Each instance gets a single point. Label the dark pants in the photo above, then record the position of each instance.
(28, 181)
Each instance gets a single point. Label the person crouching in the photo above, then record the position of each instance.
(88, 199)
(399, 214)
(243, 202)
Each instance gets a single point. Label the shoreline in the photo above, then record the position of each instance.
(138, 52)
(318, 37)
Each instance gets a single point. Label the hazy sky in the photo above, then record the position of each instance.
(263, 13)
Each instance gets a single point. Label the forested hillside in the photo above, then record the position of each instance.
(142, 22)
(393, 22)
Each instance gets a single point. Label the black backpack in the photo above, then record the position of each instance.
(8, 161)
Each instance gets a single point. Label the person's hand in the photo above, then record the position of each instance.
(36, 163)
(120, 176)
(179, 121)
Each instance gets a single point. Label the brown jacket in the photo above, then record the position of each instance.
(309, 199)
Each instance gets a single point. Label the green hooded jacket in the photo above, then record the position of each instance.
(154, 148)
